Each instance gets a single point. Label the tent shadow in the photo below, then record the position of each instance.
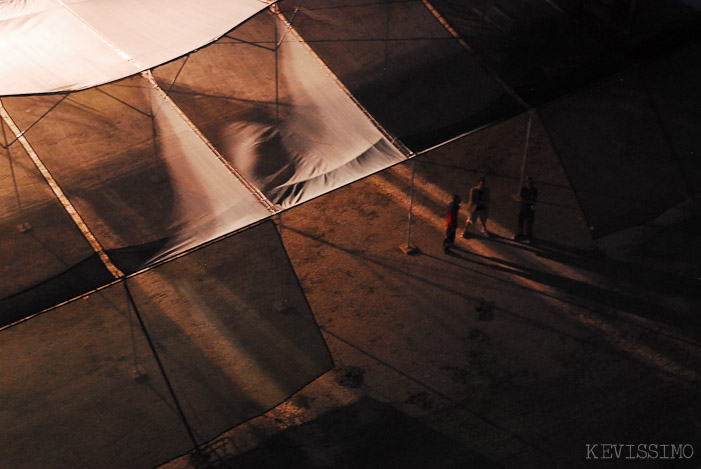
(366, 434)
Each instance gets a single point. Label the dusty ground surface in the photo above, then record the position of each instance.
(499, 354)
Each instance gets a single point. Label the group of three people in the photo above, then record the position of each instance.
(478, 210)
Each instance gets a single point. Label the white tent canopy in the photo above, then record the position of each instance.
(60, 45)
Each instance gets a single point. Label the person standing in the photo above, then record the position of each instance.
(526, 212)
(451, 223)
(478, 208)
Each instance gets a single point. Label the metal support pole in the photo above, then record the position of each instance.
(410, 248)
(152, 346)
(277, 71)
(525, 151)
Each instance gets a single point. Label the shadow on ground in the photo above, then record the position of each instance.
(367, 434)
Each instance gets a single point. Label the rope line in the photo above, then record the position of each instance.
(38, 120)
(121, 101)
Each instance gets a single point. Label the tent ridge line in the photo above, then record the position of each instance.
(464, 43)
(259, 196)
(60, 195)
(393, 140)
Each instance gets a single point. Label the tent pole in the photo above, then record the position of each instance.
(277, 84)
(151, 345)
(410, 248)
(389, 8)
(137, 371)
(282, 270)
(525, 151)
(6, 146)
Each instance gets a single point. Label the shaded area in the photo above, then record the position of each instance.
(620, 161)
(626, 142)
(545, 50)
(69, 393)
(230, 326)
(130, 259)
(672, 83)
(41, 244)
(610, 295)
(366, 434)
(75, 281)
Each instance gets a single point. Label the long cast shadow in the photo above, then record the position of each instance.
(595, 262)
(620, 301)
(364, 435)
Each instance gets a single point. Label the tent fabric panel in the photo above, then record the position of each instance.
(652, 18)
(233, 328)
(539, 51)
(72, 45)
(628, 23)
(404, 67)
(157, 31)
(230, 324)
(69, 393)
(304, 133)
(329, 140)
(49, 50)
(209, 199)
(613, 147)
(673, 84)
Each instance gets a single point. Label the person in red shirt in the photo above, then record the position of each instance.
(451, 223)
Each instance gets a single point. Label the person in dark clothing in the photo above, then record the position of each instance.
(478, 207)
(451, 223)
(526, 212)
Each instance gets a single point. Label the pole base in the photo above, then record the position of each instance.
(409, 249)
